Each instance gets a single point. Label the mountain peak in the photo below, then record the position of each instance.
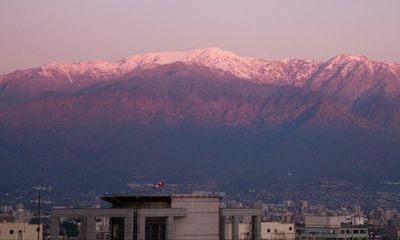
(349, 57)
(176, 56)
(215, 52)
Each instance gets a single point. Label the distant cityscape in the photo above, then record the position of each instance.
(282, 205)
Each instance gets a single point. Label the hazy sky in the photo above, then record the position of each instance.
(36, 32)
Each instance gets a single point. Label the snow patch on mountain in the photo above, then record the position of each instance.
(261, 70)
(293, 72)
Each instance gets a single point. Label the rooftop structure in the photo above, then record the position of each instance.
(330, 227)
(162, 217)
(20, 231)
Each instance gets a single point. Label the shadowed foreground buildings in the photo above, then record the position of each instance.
(269, 231)
(20, 231)
(329, 228)
(163, 217)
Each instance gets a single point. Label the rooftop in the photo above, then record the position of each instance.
(159, 197)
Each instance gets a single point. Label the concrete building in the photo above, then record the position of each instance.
(19, 231)
(195, 216)
(354, 220)
(244, 231)
(288, 204)
(277, 231)
(102, 229)
(330, 227)
(269, 231)
(392, 229)
(304, 207)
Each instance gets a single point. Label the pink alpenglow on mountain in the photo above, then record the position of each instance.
(204, 114)
(208, 86)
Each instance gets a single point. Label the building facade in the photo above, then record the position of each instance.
(19, 231)
(196, 216)
(269, 231)
(277, 231)
(329, 228)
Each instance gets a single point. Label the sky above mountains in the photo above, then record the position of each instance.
(42, 31)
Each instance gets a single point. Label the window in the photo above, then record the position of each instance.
(290, 228)
(11, 231)
(355, 231)
(268, 230)
(19, 236)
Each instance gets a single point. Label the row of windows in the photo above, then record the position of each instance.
(343, 231)
(12, 232)
(355, 231)
(276, 230)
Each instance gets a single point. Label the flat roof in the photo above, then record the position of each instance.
(200, 194)
(139, 198)
(120, 199)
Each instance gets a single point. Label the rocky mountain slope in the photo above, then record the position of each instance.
(205, 111)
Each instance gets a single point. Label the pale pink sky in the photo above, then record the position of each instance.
(36, 32)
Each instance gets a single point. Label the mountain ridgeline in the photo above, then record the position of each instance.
(204, 115)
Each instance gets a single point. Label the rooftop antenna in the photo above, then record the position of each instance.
(39, 190)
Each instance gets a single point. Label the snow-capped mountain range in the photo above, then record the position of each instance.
(291, 72)
(260, 70)
(363, 91)
(200, 113)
